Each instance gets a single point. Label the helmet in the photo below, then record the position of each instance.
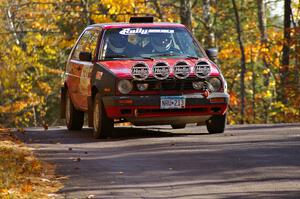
(161, 42)
(117, 42)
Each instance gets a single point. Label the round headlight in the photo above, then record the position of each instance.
(142, 87)
(215, 83)
(124, 86)
(198, 85)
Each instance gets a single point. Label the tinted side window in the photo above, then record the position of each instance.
(87, 43)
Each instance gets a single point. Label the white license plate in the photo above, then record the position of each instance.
(172, 102)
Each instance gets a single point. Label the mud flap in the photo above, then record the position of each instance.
(90, 112)
(63, 92)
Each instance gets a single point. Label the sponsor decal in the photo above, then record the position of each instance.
(161, 71)
(140, 71)
(202, 69)
(181, 70)
(131, 31)
(98, 75)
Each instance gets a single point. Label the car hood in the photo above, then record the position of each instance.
(122, 68)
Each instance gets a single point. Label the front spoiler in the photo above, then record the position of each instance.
(146, 109)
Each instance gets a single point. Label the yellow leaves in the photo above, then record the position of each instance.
(24, 175)
(3, 191)
(44, 87)
(264, 50)
(248, 76)
(234, 99)
(267, 94)
(272, 83)
(26, 188)
(18, 106)
(266, 71)
(54, 71)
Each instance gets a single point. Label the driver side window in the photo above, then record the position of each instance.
(87, 43)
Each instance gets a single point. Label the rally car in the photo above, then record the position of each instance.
(144, 73)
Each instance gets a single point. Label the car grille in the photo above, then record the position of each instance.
(167, 85)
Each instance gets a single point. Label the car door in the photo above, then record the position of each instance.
(87, 67)
(80, 71)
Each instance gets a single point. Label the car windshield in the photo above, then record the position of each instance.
(148, 43)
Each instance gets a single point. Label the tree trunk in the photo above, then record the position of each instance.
(297, 56)
(284, 73)
(86, 11)
(210, 36)
(253, 88)
(243, 61)
(15, 25)
(157, 8)
(186, 14)
(264, 44)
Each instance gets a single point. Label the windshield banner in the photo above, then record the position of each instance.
(131, 31)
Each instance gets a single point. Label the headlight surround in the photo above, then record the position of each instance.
(198, 85)
(124, 86)
(215, 83)
(142, 86)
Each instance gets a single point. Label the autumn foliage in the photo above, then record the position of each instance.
(37, 36)
(21, 174)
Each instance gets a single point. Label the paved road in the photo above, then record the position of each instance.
(257, 161)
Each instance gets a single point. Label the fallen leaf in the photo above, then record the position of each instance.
(52, 195)
(46, 126)
(45, 180)
(77, 159)
(26, 188)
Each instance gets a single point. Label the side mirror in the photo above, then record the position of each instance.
(85, 56)
(212, 53)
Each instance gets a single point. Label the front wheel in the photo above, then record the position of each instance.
(216, 124)
(103, 126)
(74, 118)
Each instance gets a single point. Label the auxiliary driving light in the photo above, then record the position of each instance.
(124, 86)
(198, 85)
(216, 83)
(142, 87)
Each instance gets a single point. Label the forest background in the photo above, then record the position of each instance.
(258, 41)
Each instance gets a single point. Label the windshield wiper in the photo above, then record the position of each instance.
(150, 58)
(115, 56)
(166, 55)
(191, 56)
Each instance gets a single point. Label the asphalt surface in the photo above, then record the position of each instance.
(251, 161)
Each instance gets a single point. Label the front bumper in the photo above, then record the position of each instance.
(135, 108)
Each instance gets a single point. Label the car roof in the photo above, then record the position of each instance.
(136, 25)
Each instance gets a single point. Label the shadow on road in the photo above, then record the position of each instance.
(64, 136)
(174, 165)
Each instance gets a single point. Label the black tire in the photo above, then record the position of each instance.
(103, 126)
(216, 124)
(74, 118)
(178, 126)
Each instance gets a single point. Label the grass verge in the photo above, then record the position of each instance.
(22, 175)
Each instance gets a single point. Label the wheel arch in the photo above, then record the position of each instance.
(94, 91)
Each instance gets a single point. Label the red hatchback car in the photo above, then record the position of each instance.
(145, 73)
